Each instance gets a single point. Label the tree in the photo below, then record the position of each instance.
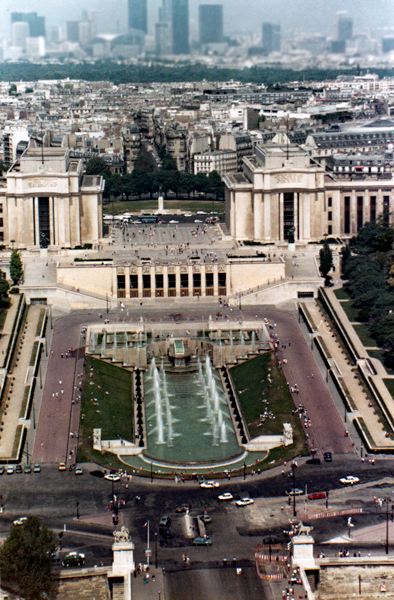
(25, 558)
(97, 166)
(16, 267)
(326, 262)
(4, 286)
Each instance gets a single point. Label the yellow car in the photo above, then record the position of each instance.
(62, 466)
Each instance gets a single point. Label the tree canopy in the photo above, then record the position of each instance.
(325, 257)
(16, 267)
(369, 271)
(4, 286)
(25, 558)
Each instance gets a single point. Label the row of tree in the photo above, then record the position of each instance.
(368, 267)
(147, 179)
(118, 72)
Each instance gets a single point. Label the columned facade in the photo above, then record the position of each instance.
(47, 202)
(282, 195)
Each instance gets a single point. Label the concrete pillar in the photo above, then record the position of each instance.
(153, 282)
(127, 281)
(203, 281)
(139, 271)
(37, 232)
(258, 217)
(178, 281)
(215, 280)
(281, 216)
(165, 281)
(190, 275)
(267, 217)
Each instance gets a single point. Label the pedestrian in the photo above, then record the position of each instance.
(61, 355)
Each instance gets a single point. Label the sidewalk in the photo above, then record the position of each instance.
(18, 379)
(349, 373)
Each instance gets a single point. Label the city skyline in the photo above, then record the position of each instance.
(303, 15)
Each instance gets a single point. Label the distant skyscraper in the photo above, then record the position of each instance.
(210, 20)
(138, 15)
(271, 37)
(20, 33)
(345, 29)
(180, 27)
(72, 28)
(36, 23)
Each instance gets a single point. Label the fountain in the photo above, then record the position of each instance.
(204, 431)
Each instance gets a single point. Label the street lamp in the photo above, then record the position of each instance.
(77, 505)
(293, 469)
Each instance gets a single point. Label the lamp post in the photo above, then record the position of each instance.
(156, 549)
(293, 468)
(77, 505)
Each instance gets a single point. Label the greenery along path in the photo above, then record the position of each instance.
(106, 404)
(262, 389)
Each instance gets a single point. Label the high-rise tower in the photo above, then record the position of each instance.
(345, 29)
(138, 15)
(180, 27)
(210, 21)
(36, 23)
(271, 37)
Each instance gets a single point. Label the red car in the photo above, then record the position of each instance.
(317, 495)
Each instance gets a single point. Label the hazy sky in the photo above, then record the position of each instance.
(308, 15)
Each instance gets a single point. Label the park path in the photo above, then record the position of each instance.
(328, 430)
(60, 408)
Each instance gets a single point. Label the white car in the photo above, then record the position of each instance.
(112, 477)
(173, 221)
(20, 521)
(225, 496)
(244, 501)
(209, 484)
(349, 480)
(78, 471)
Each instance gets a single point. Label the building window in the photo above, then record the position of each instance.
(360, 212)
(330, 215)
(288, 214)
(372, 209)
(1, 236)
(171, 284)
(330, 230)
(346, 214)
(329, 202)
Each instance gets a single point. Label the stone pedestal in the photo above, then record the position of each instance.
(303, 552)
(160, 207)
(123, 564)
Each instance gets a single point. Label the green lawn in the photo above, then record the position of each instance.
(364, 335)
(106, 403)
(253, 386)
(118, 208)
(389, 383)
(380, 354)
(342, 294)
(351, 312)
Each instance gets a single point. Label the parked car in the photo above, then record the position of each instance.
(97, 473)
(164, 521)
(183, 508)
(2, 469)
(73, 559)
(328, 456)
(62, 466)
(313, 461)
(37, 468)
(349, 480)
(78, 471)
(209, 484)
(317, 495)
(166, 533)
(202, 541)
(226, 496)
(27, 469)
(244, 501)
(294, 492)
(19, 469)
(112, 477)
(205, 518)
(10, 470)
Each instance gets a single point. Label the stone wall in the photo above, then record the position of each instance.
(343, 582)
(83, 584)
